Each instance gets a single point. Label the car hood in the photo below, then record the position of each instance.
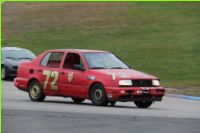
(125, 73)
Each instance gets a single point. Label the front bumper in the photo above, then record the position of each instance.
(135, 93)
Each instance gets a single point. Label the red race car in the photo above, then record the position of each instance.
(96, 75)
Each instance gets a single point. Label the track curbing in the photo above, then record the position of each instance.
(196, 98)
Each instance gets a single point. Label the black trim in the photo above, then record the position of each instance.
(140, 98)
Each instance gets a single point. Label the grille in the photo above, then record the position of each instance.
(142, 83)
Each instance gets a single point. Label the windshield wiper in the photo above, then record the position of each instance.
(10, 58)
(97, 68)
(117, 68)
(25, 58)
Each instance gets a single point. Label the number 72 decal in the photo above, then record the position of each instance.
(54, 75)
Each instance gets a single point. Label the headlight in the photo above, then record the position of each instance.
(155, 82)
(125, 83)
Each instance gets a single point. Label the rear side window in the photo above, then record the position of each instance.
(52, 59)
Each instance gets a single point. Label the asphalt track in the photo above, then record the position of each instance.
(61, 115)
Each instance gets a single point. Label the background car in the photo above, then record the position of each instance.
(11, 58)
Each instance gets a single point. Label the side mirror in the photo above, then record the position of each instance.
(79, 67)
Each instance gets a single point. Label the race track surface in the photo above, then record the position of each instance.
(58, 115)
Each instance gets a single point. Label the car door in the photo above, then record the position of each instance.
(50, 71)
(73, 77)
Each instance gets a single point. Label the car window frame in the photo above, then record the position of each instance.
(81, 58)
(49, 57)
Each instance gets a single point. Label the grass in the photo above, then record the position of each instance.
(160, 38)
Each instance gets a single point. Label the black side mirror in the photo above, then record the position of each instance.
(79, 67)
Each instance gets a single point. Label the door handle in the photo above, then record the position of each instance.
(62, 73)
(39, 70)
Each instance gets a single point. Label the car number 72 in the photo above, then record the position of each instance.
(53, 84)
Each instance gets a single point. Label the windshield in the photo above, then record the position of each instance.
(18, 54)
(104, 60)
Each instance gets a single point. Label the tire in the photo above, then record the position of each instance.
(3, 73)
(112, 103)
(77, 100)
(98, 95)
(35, 91)
(143, 104)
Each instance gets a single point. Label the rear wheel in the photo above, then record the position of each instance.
(77, 100)
(143, 104)
(98, 95)
(35, 91)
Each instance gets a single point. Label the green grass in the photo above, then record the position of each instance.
(159, 38)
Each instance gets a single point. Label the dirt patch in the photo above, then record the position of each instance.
(187, 90)
(19, 17)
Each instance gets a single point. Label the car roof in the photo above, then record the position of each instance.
(13, 48)
(79, 50)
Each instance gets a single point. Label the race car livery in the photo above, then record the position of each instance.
(99, 76)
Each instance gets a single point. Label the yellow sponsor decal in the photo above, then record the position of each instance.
(113, 76)
(70, 77)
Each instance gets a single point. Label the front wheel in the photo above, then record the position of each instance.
(77, 100)
(112, 103)
(143, 104)
(98, 95)
(35, 92)
(3, 73)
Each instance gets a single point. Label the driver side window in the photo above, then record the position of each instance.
(72, 60)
